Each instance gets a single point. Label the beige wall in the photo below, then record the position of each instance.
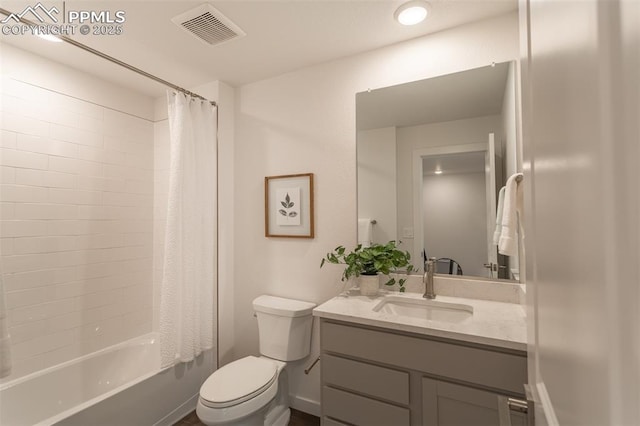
(304, 121)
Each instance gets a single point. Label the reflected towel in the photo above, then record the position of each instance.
(498, 231)
(512, 208)
(365, 232)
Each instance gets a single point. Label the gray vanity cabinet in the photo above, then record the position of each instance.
(373, 376)
(445, 403)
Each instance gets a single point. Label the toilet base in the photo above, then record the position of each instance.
(272, 415)
(278, 416)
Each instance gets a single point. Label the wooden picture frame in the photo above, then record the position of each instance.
(288, 206)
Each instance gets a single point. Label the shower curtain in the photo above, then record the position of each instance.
(189, 270)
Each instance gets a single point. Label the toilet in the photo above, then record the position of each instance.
(254, 390)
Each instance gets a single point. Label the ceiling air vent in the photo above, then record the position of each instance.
(208, 25)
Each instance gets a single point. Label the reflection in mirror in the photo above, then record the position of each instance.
(432, 157)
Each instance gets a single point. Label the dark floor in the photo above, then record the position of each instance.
(298, 418)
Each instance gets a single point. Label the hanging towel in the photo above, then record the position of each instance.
(5, 340)
(498, 231)
(365, 232)
(511, 209)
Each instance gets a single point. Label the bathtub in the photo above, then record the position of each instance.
(122, 384)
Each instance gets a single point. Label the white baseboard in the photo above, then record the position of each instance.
(179, 412)
(305, 405)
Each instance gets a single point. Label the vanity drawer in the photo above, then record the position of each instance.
(359, 410)
(326, 421)
(495, 369)
(379, 382)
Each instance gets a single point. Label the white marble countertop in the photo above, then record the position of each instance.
(492, 323)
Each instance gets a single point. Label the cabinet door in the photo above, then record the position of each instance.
(446, 404)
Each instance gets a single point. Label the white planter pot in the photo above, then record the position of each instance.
(369, 285)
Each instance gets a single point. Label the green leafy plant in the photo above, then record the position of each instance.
(378, 258)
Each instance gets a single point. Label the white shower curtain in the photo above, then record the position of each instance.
(189, 270)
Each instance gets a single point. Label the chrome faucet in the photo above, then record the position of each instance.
(427, 278)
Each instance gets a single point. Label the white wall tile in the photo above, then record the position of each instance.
(22, 124)
(28, 160)
(42, 344)
(34, 296)
(43, 311)
(59, 180)
(7, 174)
(27, 331)
(102, 184)
(7, 211)
(22, 228)
(22, 90)
(24, 108)
(28, 177)
(31, 245)
(39, 278)
(46, 211)
(44, 179)
(99, 241)
(23, 194)
(75, 166)
(75, 135)
(46, 146)
(74, 196)
(8, 139)
(78, 106)
(102, 155)
(6, 246)
(76, 210)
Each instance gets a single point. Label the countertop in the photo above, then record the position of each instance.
(493, 323)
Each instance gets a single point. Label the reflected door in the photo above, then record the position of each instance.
(490, 183)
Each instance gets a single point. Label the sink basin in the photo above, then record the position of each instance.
(426, 309)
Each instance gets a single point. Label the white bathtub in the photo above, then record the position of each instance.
(92, 388)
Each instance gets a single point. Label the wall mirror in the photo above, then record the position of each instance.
(432, 157)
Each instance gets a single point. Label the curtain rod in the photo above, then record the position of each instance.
(113, 60)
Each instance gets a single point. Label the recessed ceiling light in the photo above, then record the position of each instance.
(50, 37)
(438, 172)
(412, 12)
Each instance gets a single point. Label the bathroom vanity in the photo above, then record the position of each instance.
(398, 360)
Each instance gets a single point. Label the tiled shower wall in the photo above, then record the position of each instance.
(76, 224)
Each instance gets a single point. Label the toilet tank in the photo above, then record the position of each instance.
(284, 326)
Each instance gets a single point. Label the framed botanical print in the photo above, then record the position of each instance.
(288, 204)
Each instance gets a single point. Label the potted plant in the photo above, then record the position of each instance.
(366, 263)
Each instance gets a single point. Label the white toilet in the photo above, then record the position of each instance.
(254, 391)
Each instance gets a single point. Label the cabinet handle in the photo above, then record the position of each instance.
(507, 405)
(518, 405)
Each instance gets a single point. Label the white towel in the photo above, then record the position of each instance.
(365, 232)
(498, 231)
(511, 209)
(5, 340)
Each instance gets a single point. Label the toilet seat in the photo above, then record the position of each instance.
(240, 381)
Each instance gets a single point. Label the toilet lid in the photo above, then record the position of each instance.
(238, 382)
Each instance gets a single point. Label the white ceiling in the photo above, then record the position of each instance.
(281, 36)
(473, 93)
